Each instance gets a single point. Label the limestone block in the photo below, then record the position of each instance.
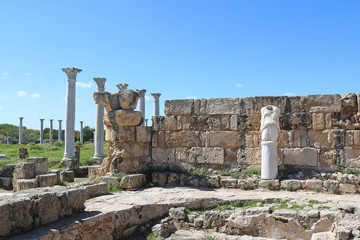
(95, 171)
(318, 138)
(181, 155)
(229, 182)
(318, 121)
(122, 118)
(163, 155)
(230, 155)
(323, 103)
(226, 139)
(174, 179)
(170, 123)
(206, 155)
(25, 170)
(41, 164)
(347, 188)
(234, 122)
(95, 190)
(283, 141)
(288, 213)
(133, 181)
(300, 119)
(249, 156)
(6, 182)
(336, 138)
(158, 123)
(358, 100)
(206, 122)
(224, 106)
(252, 139)
(47, 180)
(158, 139)
(328, 121)
(257, 210)
(352, 157)
(24, 184)
(300, 156)
(123, 133)
(200, 106)
(141, 149)
(178, 213)
(298, 138)
(312, 184)
(182, 139)
(159, 178)
(327, 158)
(67, 176)
(111, 181)
(57, 172)
(296, 184)
(179, 107)
(271, 184)
(349, 138)
(183, 123)
(7, 170)
(330, 183)
(130, 165)
(82, 171)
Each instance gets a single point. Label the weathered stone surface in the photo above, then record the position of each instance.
(226, 139)
(163, 155)
(122, 118)
(206, 155)
(252, 139)
(160, 178)
(111, 181)
(294, 184)
(57, 172)
(143, 134)
(234, 122)
(24, 170)
(209, 122)
(336, 137)
(181, 155)
(7, 170)
(328, 158)
(346, 207)
(47, 180)
(318, 121)
(200, 106)
(300, 156)
(229, 183)
(179, 107)
(288, 213)
(271, 184)
(67, 176)
(24, 184)
(133, 181)
(249, 156)
(170, 123)
(312, 184)
(95, 190)
(177, 213)
(174, 179)
(330, 183)
(323, 103)
(6, 182)
(95, 171)
(41, 164)
(224, 106)
(342, 233)
(347, 188)
(182, 139)
(23, 153)
(257, 210)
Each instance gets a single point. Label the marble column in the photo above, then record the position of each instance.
(156, 103)
(99, 125)
(51, 130)
(41, 131)
(146, 122)
(81, 132)
(269, 135)
(21, 131)
(69, 154)
(59, 132)
(142, 103)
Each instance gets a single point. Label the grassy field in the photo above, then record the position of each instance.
(53, 151)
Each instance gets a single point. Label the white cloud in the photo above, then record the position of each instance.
(35, 95)
(84, 85)
(21, 94)
(5, 74)
(289, 94)
(147, 98)
(2, 96)
(191, 97)
(28, 74)
(239, 85)
(1, 108)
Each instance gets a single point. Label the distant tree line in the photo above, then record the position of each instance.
(31, 135)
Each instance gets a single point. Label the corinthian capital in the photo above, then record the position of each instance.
(71, 73)
(100, 83)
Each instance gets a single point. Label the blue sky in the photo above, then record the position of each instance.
(181, 49)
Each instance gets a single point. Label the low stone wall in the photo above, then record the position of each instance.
(320, 131)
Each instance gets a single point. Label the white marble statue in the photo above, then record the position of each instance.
(269, 135)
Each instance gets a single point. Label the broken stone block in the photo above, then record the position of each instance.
(95, 171)
(143, 134)
(227, 139)
(342, 233)
(224, 106)
(288, 213)
(200, 106)
(179, 107)
(174, 179)
(67, 176)
(346, 207)
(6, 182)
(41, 164)
(23, 153)
(55, 171)
(312, 184)
(300, 156)
(170, 123)
(182, 139)
(159, 178)
(24, 184)
(318, 121)
(133, 181)
(95, 190)
(229, 182)
(25, 170)
(163, 155)
(234, 122)
(328, 184)
(177, 213)
(47, 180)
(111, 181)
(347, 188)
(270, 184)
(257, 210)
(336, 137)
(7, 170)
(291, 184)
(206, 155)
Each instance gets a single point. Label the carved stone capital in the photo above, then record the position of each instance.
(100, 83)
(141, 92)
(71, 73)
(156, 96)
(122, 86)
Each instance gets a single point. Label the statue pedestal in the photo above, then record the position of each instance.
(269, 166)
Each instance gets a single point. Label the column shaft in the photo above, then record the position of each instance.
(81, 132)
(41, 131)
(21, 131)
(51, 130)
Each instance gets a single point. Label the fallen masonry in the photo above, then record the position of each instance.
(231, 213)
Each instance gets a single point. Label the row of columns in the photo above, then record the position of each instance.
(51, 131)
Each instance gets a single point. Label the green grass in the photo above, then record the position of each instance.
(53, 151)
(352, 171)
(115, 188)
(119, 175)
(200, 172)
(152, 236)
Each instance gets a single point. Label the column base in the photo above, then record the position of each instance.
(97, 159)
(70, 163)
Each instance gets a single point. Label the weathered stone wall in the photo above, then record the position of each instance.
(319, 131)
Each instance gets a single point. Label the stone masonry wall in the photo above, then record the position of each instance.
(321, 131)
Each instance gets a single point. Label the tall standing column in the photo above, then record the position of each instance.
(81, 132)
(41, 131)
(59, 132)
(142, 103)
(156, 103)
(21, 131)
(51, 130)
(69, 154)
(99, 125)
